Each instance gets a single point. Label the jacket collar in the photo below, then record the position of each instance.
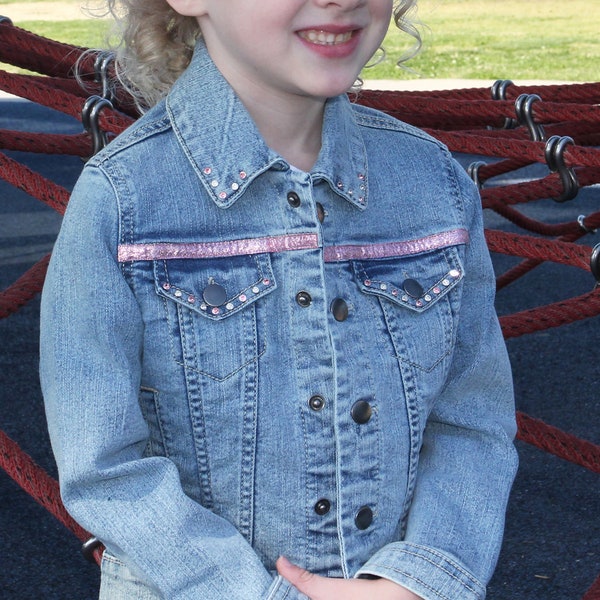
(227, 152)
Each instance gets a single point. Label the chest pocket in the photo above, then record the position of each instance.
(419, 299)
(214, 311)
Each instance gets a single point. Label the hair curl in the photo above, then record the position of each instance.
(155, 44)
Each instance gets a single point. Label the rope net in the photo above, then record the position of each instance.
(556, 126)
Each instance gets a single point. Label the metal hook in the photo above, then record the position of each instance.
(595, 263)
(473, 172)
(555, 159)
(581, 222)
(102, 65)
(89, 547)
(89, 117)
(498, 91)
(523, 108)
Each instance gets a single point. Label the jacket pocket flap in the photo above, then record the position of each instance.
(415, 282)
(217, 287)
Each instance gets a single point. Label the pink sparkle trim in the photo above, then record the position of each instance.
(282, 243)
(387, 250)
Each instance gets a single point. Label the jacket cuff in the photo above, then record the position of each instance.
(425, 571)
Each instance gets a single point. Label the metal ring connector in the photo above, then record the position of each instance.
(524, 110)
(89, 117)
(581, 222)
(88, 548)
(555, 158)
(595, 263)
(473, 172)
(498, 91)
(102, 65)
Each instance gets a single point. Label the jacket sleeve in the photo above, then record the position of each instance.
(90, 365)
(468, 461)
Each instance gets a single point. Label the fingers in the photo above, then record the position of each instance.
(306, 582)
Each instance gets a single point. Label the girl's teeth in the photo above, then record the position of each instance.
(326, 38)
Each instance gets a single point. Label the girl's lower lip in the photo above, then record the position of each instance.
(341, 50)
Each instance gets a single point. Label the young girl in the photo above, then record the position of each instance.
(270, 356)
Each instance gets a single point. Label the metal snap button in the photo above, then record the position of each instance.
(214, 294)
(293, 199)
(323, 506)
(304, 299)
(364, 518)
(316, 403)
(361, 412)
(339, 309)
(413, 288)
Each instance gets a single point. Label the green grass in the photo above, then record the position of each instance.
(471, 39)
(497, 39)
(89, 33)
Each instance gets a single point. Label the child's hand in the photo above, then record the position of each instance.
(326, 588)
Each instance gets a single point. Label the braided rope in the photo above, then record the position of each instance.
(34, 480)
(24, 289)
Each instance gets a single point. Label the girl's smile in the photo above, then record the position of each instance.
(329, 43)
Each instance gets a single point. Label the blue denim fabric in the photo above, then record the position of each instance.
(233, 371)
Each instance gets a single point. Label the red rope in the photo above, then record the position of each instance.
(36, 482)
(594, 592)
(514, 244)
(557, 442)
(24, 289)
(33, 183)
(551, 315)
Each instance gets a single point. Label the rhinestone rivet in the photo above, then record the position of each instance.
(367, 282)
(214, 183)
(178, 293)
(243, 175)
(166, 286)
(454, 273)
(243, 297)
(235, 186)
(229, 306)
(207, 170)
(256, 289)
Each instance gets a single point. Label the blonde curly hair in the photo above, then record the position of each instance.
(155, 44)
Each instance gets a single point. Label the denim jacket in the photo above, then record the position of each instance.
(241, 360)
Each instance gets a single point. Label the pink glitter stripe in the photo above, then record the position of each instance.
(424, 244)
(133, 252)
(301, 241)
